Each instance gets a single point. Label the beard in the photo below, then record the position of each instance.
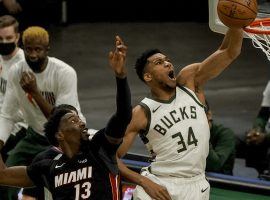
(36, 66)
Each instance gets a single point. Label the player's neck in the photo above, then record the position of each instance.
(162, 94)
(69, 150)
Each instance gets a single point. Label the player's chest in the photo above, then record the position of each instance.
(77, 170)
(78, 179)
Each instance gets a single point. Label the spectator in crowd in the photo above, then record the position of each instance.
(10, 54)
(53, 80)
(32, 12)
(256, 144)
(221, 155)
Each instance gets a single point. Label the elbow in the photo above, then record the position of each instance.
(233, 54)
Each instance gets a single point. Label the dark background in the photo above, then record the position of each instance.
(139, 10)
(47, 12)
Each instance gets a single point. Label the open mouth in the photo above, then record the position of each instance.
(85, 131)
(171, 75)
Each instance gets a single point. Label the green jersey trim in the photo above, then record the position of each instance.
(148, 115)
(192, 96)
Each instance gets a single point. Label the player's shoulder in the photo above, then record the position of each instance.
(140, 116)
(139, 109)
(18, 67)
(59, 64)
(49, 153)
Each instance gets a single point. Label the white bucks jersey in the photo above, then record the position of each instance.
(177, 134)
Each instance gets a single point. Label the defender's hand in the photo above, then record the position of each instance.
(154, 190)
(28, 82)
(117, 58)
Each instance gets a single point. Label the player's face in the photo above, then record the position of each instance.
(35, 55)
(73, 128)
(160, 70)
(8, 40)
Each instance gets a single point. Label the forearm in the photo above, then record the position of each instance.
(217, 62)
(232, 42)
(118, 123)
(123, 100)
(128, 174)
(15, 176)
(44, 106)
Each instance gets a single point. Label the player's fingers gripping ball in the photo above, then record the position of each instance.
(237, 13)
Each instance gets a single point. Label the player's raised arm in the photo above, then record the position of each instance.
(196, 75)
(117, 125)
(117, 58)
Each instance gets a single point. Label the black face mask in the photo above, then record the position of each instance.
(35, 65)
(7, 48)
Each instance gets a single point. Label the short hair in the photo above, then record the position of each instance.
(51, 127)
(142, 61)
(8, 20)
(37, 34)
(64, 106)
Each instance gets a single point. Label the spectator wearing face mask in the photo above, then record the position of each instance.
(37, 77)
(10, 54)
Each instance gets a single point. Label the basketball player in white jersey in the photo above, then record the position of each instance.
(56, 81)
(173, 124)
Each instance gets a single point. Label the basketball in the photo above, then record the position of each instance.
(237, 13)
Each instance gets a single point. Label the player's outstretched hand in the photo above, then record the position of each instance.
(117, 58)
(155, 191)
